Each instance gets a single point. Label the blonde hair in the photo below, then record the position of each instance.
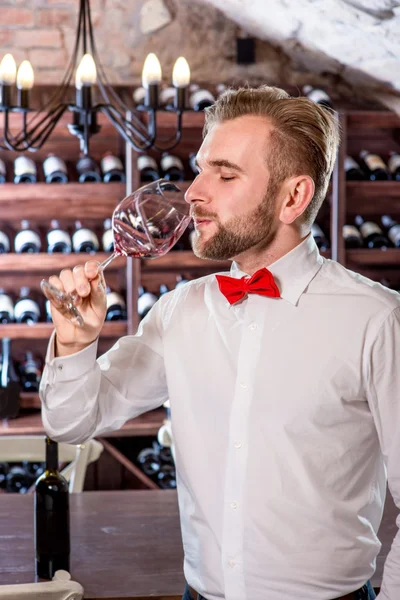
(304, 139)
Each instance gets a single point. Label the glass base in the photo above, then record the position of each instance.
(63, 302)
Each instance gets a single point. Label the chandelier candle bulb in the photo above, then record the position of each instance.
(181, 81)
(151, 78)
(8, 74)
(86, 75)
(25, 80)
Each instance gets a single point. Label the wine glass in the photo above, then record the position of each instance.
(146, 224)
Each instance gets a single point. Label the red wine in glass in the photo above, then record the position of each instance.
(146, 224)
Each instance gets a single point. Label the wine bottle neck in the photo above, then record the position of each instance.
(51, 455)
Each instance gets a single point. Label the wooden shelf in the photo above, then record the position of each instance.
(30, 422)
(29, 400)
(374, 257)
(41, 331)
(53, 262)
(372, 119)
(39, 201)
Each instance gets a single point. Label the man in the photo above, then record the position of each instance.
(284, 388)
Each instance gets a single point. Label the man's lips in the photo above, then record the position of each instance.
(201, 221)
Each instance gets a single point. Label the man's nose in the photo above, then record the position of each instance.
(196, 192)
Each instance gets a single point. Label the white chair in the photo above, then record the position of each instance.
(61, 588)
(15, 448)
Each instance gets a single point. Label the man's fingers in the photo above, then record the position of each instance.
(82, 284)
(68, 280)
(91, 269)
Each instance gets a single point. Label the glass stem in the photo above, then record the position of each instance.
(108, 260)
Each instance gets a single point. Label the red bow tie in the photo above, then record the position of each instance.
(262, 282)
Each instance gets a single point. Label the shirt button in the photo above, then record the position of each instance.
(243, 385)
(238, 445)
(231, 563)
(234, 505)
(60, 367)
(253, 326)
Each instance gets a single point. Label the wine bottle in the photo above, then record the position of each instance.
(372, 234)
(149, 460)
(319, 237)
(58, 240)
(394, 165)
(48, 311)
(192, 163)
(6, 308)
(108, 236)
(116, 307)
(172, 167)
(167, 96)
(4, 468)
(220, 89)
(3, 171)
(84, 239)
(145, 301)
(88, 170)
(30, 373)
(17, 480)
(200, 99)
(55, 169)
(353, 170)
(180, 280)
(163, 289)
(139, 95)
(374, 166)
(51, 517)
(24, 170)
(27, 240)
(112, 168)
(166, 477)
(9, 384)
(352, 237)
(26, 309)
(148, 168)
(392, 229)
(4, 242)
(318, 96)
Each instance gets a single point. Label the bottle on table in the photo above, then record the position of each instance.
(318, 96)
(394, 165)
(320, 238)
(84, 239)
(352, 237)
(51, 517)
(27, 239)
(6, 308)
(112, 168)
(374, 166)
(116, 307)
(353, 170)
(146, 301)
(24, 170)
(372, 234)
(58, 240)
(26, 309)
(55, 170)
(30, 373)
(148, 168)
(4, 242)
(10, 388)
(3, 171)
(88, 170)
(108, 236)
(172, 167)
(392, 229)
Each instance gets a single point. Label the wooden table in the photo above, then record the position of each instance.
(124, 544)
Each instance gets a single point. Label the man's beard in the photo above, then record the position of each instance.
(256, 229)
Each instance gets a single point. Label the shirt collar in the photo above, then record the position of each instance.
(293, 271)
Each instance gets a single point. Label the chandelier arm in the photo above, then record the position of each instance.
(8, 144)
(120, 118)
(25, 136)
(44, 133)
(176, 138)
(123, 132)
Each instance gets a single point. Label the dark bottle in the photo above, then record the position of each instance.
(374, 166)
(30, 373)
(48, 311)
(318, 96)
(166, 477)
(6, 308)
(26, 309)
(192, 163)
(353, 170)
(148, 168)
(112, 168)
(4, 468)
(88, 170)
(3, 171)
(149, 460)
(372, 234)
(352, 237)
(145, 301)
(55, 169)
(116, 307)
(24, 170)
(172, 167)
(17, 480)
(167, 96)
(163, 289)
(58, 240)
(392, 229)
(33, 469)
(51, 517)
(199, 99)
(4, 242)
(9, 383)
(139, 95)
(84, 239)
(319, 237)
(108, 236)
(27, 240)
(394, 165)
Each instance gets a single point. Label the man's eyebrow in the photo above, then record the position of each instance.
(222, 163)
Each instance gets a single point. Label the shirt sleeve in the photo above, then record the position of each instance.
(384, 400)
(83, 397)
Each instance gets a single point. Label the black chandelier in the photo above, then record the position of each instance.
(37, 126)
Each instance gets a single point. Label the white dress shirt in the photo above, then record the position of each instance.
(286, 424)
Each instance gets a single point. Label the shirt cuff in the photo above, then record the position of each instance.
(68, 368)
